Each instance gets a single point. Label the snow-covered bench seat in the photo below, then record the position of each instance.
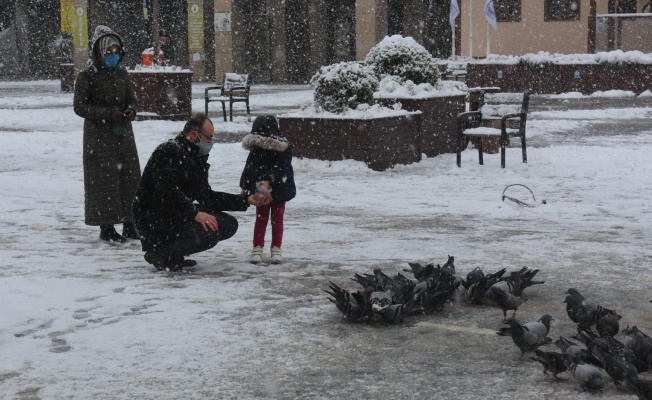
(234, 88)
(500, 116)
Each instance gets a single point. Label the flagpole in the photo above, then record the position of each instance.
(453, 41)
(488, 40)
(470, 28)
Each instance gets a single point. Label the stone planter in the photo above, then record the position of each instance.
(438, 133)
(163, 95)
(380, 142)
(549, 78)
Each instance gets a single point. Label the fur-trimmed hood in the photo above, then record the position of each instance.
(274, 143)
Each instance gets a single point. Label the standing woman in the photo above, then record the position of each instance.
(104, 97)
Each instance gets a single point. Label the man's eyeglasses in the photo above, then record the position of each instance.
(208, 138)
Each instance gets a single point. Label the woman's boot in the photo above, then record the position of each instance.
(129, 231)
(109, 234)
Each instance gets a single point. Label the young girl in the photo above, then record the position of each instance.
(268, 170)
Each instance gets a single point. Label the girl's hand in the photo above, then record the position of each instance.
(259, 200)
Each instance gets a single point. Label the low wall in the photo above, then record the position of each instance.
(379, 142)
(551, 78)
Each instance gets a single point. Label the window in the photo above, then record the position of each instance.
(561, 10)
(508, 10)
(626, 6)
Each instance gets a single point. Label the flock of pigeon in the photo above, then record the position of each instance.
(389, 299)
(597, 327)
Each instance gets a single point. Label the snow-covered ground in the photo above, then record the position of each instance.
(86, 320)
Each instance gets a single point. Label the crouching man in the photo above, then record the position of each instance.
(175, 210)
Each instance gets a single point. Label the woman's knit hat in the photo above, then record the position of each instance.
(106, 42)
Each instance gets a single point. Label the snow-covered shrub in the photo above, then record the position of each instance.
(344, 85)
(403, 57)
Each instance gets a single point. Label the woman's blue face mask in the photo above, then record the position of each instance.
(111, 60)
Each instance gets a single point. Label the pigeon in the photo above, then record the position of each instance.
(639, 343)
(552, 362)
(540, 327)
(449, 266)
(400, 286)
(522, 279)
(474, 276)
(442, 291)
(611, 346)
(578, 354)
(618, 368)
(477, 289)
(382, 306)
(524, 339)
(643, 389)
(506, 301)
(588, 376)
(380, 300)
(583, 311)
(608, 325)
(505, 286)
(355, 306)
(421, 273)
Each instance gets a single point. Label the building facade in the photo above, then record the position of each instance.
(287, 41)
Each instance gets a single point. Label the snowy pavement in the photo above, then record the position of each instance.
(85, 320)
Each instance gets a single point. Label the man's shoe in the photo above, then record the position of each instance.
(188, 263)
(109, 234)
(276, 255)
(256, 255)
(163, 263)
(129, 231)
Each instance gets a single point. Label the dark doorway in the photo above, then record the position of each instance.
(395, 17)
(209, 40)
(341, 31)
(257, 42)
(297, 45)
(173, 17)
(439, 39)
(37, 30)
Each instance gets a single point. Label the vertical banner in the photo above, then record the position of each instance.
(196, 28)
(455, 11)
(79, 28)
(490, 13)
(67, 11)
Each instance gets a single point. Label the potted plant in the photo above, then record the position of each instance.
(409, 77)
(344, 122)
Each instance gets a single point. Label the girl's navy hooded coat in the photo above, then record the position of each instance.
(270, 158)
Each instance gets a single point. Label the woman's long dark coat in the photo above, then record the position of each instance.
(111, 167)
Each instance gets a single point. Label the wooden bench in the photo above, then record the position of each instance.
(234, 88)
(500, 116)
